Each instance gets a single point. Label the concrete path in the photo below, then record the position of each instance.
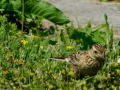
(82, 11)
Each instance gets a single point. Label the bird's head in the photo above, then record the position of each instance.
(98, 51)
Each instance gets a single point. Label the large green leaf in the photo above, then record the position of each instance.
(45, 9)
(37, 8)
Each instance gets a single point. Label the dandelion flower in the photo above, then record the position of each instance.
(33, 36)
(113, 73)
(115, 64)
(108, 76)
(24, 42)
(94, 81)
(84, 82)
(41, 47)
(63, 71)
(60, 89)
(118, 71)
(113, 87)
(73, 80)
(71, 73)
(70, 89)
(68, 47)
(50, 86)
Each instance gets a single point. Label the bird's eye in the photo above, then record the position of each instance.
(95, 52)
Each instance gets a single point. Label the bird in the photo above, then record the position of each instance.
(86, 62)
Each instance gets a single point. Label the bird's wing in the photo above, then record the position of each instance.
(77, 58)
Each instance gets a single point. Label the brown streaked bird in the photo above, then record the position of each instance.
(87, 62)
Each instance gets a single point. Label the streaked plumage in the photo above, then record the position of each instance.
(87, 62)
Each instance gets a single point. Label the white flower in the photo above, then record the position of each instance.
(118, 60)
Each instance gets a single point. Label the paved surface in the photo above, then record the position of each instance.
(82, 11)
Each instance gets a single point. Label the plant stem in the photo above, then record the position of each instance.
(22, 15)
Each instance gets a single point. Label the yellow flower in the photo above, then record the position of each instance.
(118, 71)
(113, 87)
(50, 86)
(84, 82)
(108, 76)
(24, 42)
(70, 89)
(60, 89)
(33, 36)
(115, 64)
(94, 81)
(63, 71)
(68, 47)
(41, 47)
(31, 73)
(71, 73)
(113, 73)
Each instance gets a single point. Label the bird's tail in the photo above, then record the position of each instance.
(61, 59)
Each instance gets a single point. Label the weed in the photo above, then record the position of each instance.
(25, 58)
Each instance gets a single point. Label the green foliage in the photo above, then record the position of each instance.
(25, 59)
(88, 36)
(46, 10)
(36, 8)
(109, 0)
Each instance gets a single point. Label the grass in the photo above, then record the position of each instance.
(25, 58)
(109, 0)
